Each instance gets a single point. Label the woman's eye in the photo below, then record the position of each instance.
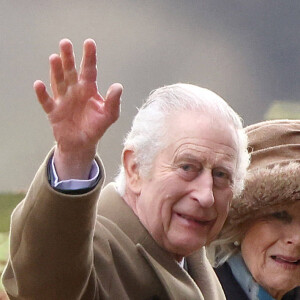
(282, 215)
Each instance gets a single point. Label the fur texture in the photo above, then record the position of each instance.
(266, 189)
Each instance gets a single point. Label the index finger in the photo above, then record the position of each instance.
(88, 67)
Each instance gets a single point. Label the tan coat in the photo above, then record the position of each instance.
(65, 247)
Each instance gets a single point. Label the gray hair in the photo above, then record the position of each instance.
(147, 135)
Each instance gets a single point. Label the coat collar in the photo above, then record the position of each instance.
(175, 279)
(241, 273)
(200, 283)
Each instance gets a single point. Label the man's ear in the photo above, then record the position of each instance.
(133, 179)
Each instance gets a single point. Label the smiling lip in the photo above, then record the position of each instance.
(195, 220)
(286, 260)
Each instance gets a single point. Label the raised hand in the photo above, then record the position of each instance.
(78, 114)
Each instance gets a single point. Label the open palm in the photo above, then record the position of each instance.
(78, 114)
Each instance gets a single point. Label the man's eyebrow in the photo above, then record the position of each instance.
(189, 157)
(200, 159)
(229, 170)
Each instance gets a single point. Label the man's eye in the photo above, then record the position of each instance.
(188, 171)
(221, 178)
(220, 174)
(186, 167)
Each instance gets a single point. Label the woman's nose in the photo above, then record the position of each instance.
(293, 235)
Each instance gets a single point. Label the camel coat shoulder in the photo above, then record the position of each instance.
(90, 247)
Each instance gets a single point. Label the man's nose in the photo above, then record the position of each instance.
(203, 189)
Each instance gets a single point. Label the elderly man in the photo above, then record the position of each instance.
(144, 238)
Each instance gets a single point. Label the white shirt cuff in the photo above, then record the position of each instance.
(75, 184)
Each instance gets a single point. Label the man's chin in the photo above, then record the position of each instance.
(184, 249)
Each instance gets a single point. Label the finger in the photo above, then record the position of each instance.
(68, 61)
(113, 100)
(57, 75)
(88, 66)
(45, 100)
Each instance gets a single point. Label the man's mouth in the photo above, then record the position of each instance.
(194, 219)
(286, 260)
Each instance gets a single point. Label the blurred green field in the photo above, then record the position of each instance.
(8, 201)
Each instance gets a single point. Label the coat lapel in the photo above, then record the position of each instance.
(204, 275)
(177, 282)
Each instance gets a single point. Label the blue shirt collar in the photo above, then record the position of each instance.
(241, 273)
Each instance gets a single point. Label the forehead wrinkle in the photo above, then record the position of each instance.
(191, 146)
(209, 140)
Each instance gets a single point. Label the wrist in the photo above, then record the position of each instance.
(75, 164)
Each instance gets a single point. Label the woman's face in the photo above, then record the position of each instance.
(271, 250)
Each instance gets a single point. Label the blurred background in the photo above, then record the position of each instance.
(246, 51)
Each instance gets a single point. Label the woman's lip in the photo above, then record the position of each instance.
(286, 259)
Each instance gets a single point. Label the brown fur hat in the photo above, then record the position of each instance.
(273, 177)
